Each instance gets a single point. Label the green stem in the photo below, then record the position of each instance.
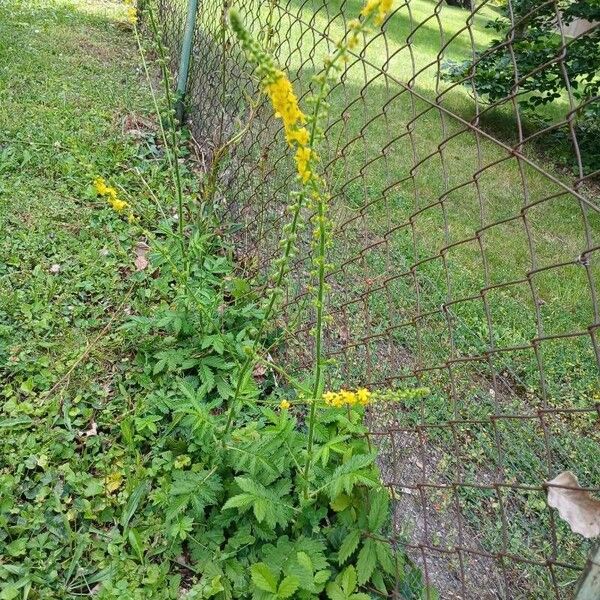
(174, 148)
(263, 324)
(318, 372)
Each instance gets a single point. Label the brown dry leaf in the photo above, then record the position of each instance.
(576, 506)
(141, 250)
(259, 371)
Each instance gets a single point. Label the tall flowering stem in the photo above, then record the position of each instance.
(171, 148)
(302, 134)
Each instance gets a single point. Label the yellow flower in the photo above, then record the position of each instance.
(382, 7)
(332, 399)
(348, 398)
(363, 395)
(284, 405)
(116, 204)
(344, 397)
(303, 156)
(299, 135)
(352, 42)
(100, 185)
(284, 101)
(132, 15)
(369, 7)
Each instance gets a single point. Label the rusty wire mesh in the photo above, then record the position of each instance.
(464, 259)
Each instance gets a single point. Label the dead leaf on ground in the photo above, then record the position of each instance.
(141, 250)
(259, 371)
(93, 430)
(576, 506)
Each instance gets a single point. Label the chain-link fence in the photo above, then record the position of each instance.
(466, 251)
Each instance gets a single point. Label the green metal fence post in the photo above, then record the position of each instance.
(589, 584)
(186, 53)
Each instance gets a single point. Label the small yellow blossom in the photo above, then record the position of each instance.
(100, 186)
(303, 156)
(110, 193)
(116, 204)
(344, 397)
(363, 395)
(299, 135)
(284, 405)
(285, 102)
(369, 7)
(132, 15)
(382, 7)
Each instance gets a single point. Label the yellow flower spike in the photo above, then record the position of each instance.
(330, 398)
(344, 397)
(284, 405)
(384, 8)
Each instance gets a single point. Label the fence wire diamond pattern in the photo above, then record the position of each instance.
(465, 260)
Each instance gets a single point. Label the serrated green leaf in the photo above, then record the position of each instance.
(342, 502)
(334, 591)
(379, 583)
(224, 389)
(260, 509)
(367, 560)
(348, 546)
(379, 512)
(384, 557)
(347, 580)
(304, 561)
(239, 501)
(287, 587)
(263, 578)
(322, 576)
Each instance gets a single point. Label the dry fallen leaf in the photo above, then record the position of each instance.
(141, 250)
(576, 506)
(93, 430)
(259, 371)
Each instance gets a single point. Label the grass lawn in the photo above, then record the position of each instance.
(74, 105)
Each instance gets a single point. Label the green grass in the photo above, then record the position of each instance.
(386, 186)
(74, 105)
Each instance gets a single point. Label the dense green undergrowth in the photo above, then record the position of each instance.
(120, 349)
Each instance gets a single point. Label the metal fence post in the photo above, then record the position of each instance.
(184, 61)
(589, 585)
